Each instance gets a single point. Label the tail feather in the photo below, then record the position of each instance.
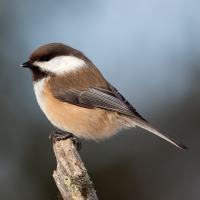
(149, 127)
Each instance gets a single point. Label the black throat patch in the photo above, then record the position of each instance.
(38, 73)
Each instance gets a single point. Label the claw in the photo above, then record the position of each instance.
(77, 142)
(62, 135)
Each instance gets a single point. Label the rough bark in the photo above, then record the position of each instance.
(71, 176)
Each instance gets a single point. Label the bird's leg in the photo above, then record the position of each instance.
(62, 135)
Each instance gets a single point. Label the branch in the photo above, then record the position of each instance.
(71, 176)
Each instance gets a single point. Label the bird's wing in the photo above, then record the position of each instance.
(111, 99)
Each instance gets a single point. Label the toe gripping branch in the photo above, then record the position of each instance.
(62, 135)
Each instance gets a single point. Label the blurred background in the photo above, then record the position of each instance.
(150, 51)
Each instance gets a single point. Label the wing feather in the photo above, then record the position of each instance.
(114, 101)
(101, 99)
(98, 97)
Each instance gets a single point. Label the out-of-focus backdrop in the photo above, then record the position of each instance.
(150, 51)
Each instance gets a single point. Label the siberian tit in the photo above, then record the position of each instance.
(78, 100)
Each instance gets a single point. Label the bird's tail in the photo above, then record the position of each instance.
(145, 125)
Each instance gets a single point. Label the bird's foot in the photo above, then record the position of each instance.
(62, 135)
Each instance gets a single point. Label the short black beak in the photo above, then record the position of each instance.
(27, 65)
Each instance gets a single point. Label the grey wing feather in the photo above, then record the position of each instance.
(114, 92)
(101, 99)
(69, 96)
(96, 97)
(111, 100)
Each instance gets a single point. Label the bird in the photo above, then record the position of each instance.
(78, 100)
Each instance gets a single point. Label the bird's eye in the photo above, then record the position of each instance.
(46, 58)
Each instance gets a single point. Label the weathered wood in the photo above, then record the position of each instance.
(71, 176)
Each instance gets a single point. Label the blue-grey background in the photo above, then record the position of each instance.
(150, 51)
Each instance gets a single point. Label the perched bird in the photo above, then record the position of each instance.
(78, 100)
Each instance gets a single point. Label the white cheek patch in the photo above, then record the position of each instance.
(61, 64)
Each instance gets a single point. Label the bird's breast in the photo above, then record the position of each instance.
(90, 123)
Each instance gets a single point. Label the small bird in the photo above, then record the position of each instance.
(78, 100)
